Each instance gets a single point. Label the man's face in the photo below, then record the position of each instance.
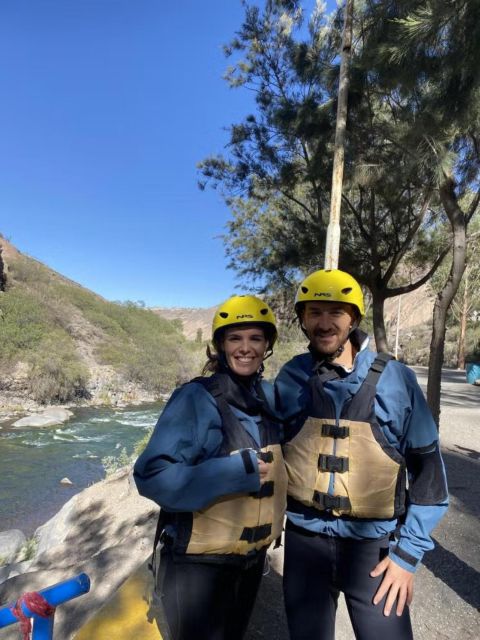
(327, 325)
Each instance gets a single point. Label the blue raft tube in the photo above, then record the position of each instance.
(53, 597)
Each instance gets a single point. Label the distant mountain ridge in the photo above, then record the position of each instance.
(416, 309)
(193, 319)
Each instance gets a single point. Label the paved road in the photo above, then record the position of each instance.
(447, 586)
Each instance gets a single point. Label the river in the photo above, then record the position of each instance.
(34, 460)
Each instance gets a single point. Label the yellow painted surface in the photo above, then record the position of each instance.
(124, 617)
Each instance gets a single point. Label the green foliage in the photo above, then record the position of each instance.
(27, 552)
(141, 444)
(112, 464)
(141, 343)
(282, 352)
(22, 323)
(56, 374)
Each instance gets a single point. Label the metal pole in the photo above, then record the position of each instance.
(332, 248)
(398, 326)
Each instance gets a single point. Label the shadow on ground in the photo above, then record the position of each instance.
(268, 618)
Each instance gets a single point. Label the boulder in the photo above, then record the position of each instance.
(47, 418)
(10, 544)
(14, 569)
(105, 531)
(56, 529)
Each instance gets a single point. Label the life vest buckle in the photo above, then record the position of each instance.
(265, 456)
(333, 464)
(326, 502)
(335, 431)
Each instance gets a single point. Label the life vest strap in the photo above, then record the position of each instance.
(333, 464)
(326, 502)
(255, 534)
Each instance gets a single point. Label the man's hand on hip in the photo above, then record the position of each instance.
(397, 585)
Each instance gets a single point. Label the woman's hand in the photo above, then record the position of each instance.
(263, 470)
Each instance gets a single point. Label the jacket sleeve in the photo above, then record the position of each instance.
(427, 485)
(177, 469)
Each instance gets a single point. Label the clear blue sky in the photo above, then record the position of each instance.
(107, 106)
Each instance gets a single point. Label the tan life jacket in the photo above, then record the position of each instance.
(368, 473)
(241, 523)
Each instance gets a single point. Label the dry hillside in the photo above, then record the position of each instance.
(193, 320)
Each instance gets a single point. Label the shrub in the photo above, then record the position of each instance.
(56, 373)
(111, 464)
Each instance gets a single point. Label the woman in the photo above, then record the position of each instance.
(214, 465)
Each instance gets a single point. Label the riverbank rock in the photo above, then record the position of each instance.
(10, 544)
(105, 531)
(47, 418)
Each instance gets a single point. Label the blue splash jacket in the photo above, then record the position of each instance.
(178, 469)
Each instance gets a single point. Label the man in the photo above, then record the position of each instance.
(357, 425)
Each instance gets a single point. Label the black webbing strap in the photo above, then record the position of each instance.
(235, 436)
(159, 532)
(335, 431)
(333, 464)
(255, 534)
(376, 369)
(362, 402)
(266, 490)
(326, 502)
(325, 375)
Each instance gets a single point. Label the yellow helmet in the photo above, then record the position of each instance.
(330, 285)
(245, 309)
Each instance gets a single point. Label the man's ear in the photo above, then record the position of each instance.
(301, 316)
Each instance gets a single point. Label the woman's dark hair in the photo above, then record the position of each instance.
(214, 356)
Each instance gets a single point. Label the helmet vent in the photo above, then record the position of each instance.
(264, 312)
(347, 290)
(305, 289)
(223, 314)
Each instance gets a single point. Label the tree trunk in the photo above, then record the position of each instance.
(445, 296)
(463, 326)
(379, 332)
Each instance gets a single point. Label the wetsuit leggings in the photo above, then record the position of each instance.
(208, 601)
(317, 568)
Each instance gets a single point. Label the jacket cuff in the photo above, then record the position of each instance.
(403, 558)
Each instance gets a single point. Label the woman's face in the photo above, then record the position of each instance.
(244, 349)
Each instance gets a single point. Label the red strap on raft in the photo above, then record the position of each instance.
(35, 603)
